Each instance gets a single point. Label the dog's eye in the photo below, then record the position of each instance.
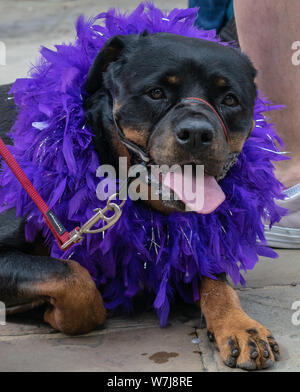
(230, 100)
(156, 93)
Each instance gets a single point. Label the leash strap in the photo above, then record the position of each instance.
(64, 239)
(214, 110)
(133, 147)
(59, 231)
(137, 150)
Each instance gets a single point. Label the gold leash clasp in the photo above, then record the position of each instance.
(77, 234)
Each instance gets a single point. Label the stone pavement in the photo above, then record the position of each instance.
(25, 25)
(139, 344)
(132, 343)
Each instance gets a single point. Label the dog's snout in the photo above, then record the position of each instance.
(194, 134)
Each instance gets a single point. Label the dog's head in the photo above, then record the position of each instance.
(154, 87)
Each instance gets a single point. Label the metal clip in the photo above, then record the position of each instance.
(77, 234)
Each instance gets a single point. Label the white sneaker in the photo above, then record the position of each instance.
(286, 233)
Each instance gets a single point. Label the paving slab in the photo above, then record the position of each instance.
(282, 271)
(124, 349)
(137, 343)
(26, 25)
(131, 343)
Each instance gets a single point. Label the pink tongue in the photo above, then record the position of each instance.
(212, 194)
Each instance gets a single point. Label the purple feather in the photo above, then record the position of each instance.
(144, 249)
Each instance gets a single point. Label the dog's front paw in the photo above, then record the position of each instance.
(245, 343)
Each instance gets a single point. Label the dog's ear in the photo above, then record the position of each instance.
(110, 52)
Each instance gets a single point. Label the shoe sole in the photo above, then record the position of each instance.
(282, 237)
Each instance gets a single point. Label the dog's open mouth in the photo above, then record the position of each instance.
(199, 193)
(187, 188)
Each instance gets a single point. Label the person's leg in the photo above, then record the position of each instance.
(267, 30)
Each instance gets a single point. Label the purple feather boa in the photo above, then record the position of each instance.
(162, 254)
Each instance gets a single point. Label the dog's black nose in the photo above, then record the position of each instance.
(194, 134)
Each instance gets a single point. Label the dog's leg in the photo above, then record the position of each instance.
(75, 305)
(242, 341)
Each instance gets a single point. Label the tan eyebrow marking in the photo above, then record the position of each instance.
(221, 82)
(173, 79)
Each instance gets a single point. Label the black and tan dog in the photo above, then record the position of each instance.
(144, 81)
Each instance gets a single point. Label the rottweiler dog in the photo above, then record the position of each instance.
(143, 82)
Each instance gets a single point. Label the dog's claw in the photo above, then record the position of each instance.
(210, 336)
(249, 365)
(276, 348)
(254, 354)
(230, 362)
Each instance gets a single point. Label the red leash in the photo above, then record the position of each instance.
(64, 239)
(60, 233)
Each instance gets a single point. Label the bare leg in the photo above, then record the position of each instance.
(267, 30)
